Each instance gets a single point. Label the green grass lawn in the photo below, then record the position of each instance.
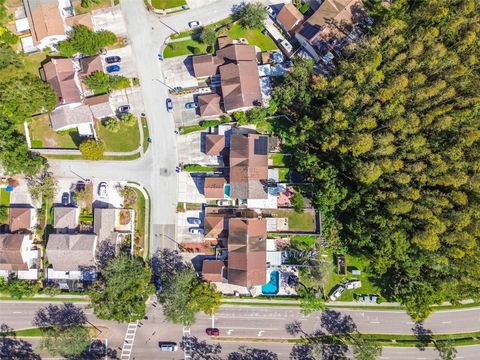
(167, 4)
(43, 136)
(185, 47)
(198, 168)
(146, 134)
(303, 242)
(139, 208)
(297, 221)
(33, 62)
(278, 159)
(254, 37)
(283, 174)
(4, 204)
(93, 6)
(126, 139)
(353, 262)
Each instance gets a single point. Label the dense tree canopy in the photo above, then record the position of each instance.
(85, 41)
(101, 82)
(391, 143)
(122, 290)
(250, 15)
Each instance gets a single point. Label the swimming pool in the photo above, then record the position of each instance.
(226, 191)
(271, 288)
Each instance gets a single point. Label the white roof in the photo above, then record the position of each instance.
(85, 129)
(271, 244)
(27, 45)
(22, 25)
(31, 274)
(274, 257)
(269, 203)
(273, 175)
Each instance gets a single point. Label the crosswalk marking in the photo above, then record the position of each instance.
(128, 341)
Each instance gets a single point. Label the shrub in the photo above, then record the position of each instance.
(240, 117)
(92, 149)
(128, 119)
(100, 82)
(111, 124)
(208, 36)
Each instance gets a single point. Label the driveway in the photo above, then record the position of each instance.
(178, 71)
(182, 115)
(127, 65)
(190, 188)
(110, 19)
(191, 149)
(183, 227)
(131, 96)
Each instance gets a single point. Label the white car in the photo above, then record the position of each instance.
(353, 284)
(196, 231)
(169, 347)
(223, 203)
(102, 189)
(194, 24)
(337, 293)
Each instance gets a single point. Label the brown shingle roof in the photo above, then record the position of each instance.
(11, 252)
(100, 106)
(90, 64)
(240, 85)
(60, 74)
(212, 270)
(224, 41)
(209, 104)
(247, 252)
(204, 65)
(44, 19)
(248, 166)
(104, 221)
(71, 252)
(84, 19)
(213, 187)
(214, 144)
(289, 16)
(215, 226)
(20, 219)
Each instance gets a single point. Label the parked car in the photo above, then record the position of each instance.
(102, 189)
(169, 347)
(196, 231)
(65, 199)
(113, 59)
(191, 105)
(194, 24)
(337, 293)
(194, 221)
(123, 109)
(223, 202)
(271, 12)
(169, 105)
(213, 331)
(113, 68)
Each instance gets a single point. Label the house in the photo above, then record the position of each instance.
(213, 270)
(73, 116)
(214, 187)
(46, 23)
(113, 225)
(236, 67)
(331, 27)
(71, 256)
(83, 19)
(21, 219)
(65, 219)
(215, 227)
(100, 106)
(62, 77)
(247, 254)
(18, 257)
(86, 66)
(289, 18)
(215, 144)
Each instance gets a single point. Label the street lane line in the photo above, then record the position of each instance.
(249, 328)
(374, 322)
(446, 322)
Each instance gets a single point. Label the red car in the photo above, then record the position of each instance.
(213, 332)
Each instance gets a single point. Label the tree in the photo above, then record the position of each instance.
(111, 124)
(247, 353)
(129, 119)
(122, 289)
(208, 36)
(51, 290)
(85, 41)
(311, 302)
(15, 156)
(67, 341)
(101, 82)
(8, 57)
(92, 149)
(390, 145)
(20, 288)
(364, 349)
(446, 350)
(250, 15)
(185, 296)
(42, 186)
(298, 202)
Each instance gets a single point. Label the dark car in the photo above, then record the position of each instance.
(169, 105)
(213, 332)
(65, 198)
(191, 105)
(123, 109)
(113, 59)
(112, 68)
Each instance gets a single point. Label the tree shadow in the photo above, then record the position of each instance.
(301, 352)
(164, 264)
(424, 336)
(106, 252)
(336, 323)
(96, 351)
(248, 353)
(13, 348)
(60, 315)
(294, 328)
(200, 350)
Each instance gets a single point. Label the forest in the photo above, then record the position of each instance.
(391, 145)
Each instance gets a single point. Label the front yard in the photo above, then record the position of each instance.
(254, 37)
(126, 139)
(167, 4)
(43, 136)
(185, 47)
(297, 221)
(99, 4)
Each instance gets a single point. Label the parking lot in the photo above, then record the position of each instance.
(183, 226)
(178, 71)
(191, 150)
(182, 115)
(127, 65)
(110, 19)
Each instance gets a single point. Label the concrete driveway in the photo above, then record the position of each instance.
(127, 65)
(190, 188)
(178, 71)
(131, 96)
(110, 19)
(182, 115)
(183, 227)
(191, 149)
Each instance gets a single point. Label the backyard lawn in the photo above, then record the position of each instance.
(4, 204)
(185, 47)
(43, 136)
(126, 139)
(254, 37)
(33, 62)
(99, 4)
(278, 159)
(297, 221)
(167, 4)
(283, 174)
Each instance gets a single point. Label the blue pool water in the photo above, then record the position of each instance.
(226, 191)
(9, 188)
(271, 288)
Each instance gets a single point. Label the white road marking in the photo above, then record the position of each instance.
(446, 322)
(374, 322)
(252, 328)
(16, 312)
(229, 332)
(260, 333)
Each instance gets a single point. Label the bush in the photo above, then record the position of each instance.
(100, 82)
(298, 202)
(129, 119)
(20, 288)
(92, 149)
(304, 8)
(240, 117)
(208, 36)
(111, 124)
